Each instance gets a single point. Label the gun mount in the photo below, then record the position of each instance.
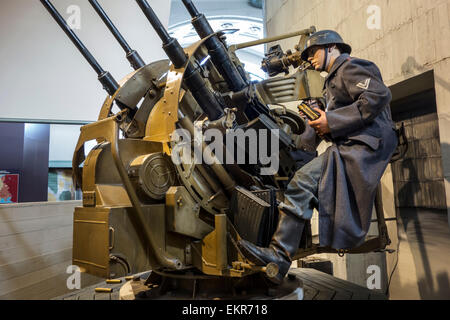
(143, 210)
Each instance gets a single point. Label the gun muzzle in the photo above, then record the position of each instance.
(132, 55)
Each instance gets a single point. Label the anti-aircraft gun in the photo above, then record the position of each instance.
(144, 209)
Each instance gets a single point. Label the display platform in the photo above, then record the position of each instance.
(316, 286)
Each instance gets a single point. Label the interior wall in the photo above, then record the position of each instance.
(420, 195)
(43, 74)
(418, 176)
(26, 153)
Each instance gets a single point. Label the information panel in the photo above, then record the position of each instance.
(9, 187)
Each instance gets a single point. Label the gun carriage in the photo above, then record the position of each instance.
(144, 211)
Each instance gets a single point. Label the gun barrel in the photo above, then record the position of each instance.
(217, 50)
(193, 79)
(106, 79)
(171, 46)
(110, 25)
(154, 20)
(191, 8)
(133, 57)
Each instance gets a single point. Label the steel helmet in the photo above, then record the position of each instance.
(323, 38)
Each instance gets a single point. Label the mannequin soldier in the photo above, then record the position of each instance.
(341, 183)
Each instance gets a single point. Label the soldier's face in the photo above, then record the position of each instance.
(316, 56)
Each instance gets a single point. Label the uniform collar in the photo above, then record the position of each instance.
(339, 61)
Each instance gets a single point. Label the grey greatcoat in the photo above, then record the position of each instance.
(364, 140)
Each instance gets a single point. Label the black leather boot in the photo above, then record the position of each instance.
(283, 246)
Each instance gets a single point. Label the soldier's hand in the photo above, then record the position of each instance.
(321, 124)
